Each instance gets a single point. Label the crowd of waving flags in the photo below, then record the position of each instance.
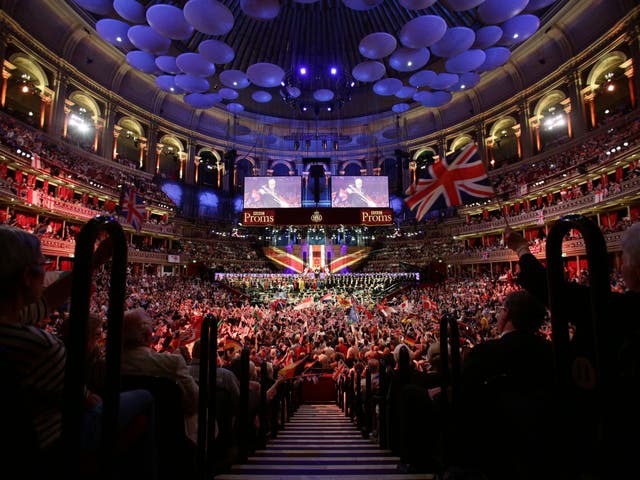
(450, 183)
(355, 310)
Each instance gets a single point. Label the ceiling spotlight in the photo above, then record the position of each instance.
(310, 92)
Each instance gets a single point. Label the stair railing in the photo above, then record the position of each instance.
(74, 388)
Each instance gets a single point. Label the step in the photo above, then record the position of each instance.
(320, 443)
(368, 476)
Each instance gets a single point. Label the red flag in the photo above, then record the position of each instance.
(450, 182)
(306, 303)
(326, 296)
(232, 344)
(293, 369)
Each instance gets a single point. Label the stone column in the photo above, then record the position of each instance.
(566, 106)
(482, 147)
(491, 161)
(116, 133)
(151, 157)
(142, 142)
(190, 159)
(156, 160)
(67, 112)
(534, 123)
(634, 80)
(107, 132)
(57, 125)
(6, 75)
(4, 39)
(46, 99)
(518, 133)
(413, 167)
(196, 163)
(590, 99)
(183, 158)
(628, 72)
(525, 136)
(578, 118)
(442, 148)
(98, 126)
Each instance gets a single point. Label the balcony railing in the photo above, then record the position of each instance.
(585, 204)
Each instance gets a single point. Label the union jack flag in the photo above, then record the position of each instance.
(450, 182)
(132, 207)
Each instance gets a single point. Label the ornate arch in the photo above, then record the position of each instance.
(608, 63)
(32, 68)
(346, 163)
(505, 123)
(212, 151)
(460, 141)
(172, 141)
(423, 150)
(286, 163)
(83, 99)
(131, 124)
(552, 98)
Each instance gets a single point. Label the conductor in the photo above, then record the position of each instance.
(270, 197)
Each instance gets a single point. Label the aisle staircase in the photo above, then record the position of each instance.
(319, 442)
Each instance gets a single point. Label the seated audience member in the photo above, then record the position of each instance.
(139, 359)
(36, 360)
(410, 413)
(194, 365)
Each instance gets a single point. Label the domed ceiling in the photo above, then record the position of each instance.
(322, 59)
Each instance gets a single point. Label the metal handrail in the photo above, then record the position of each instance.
(74, 389)
(600, 295)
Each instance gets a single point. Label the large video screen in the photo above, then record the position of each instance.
(372, 191)
(272, 192)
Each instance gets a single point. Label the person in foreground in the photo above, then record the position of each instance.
(33, 370)
(508, 386)
(611, 404)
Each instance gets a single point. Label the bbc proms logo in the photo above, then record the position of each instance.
(376, 217)
(258, 217)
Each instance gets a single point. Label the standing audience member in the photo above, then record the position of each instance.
(509, 386)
